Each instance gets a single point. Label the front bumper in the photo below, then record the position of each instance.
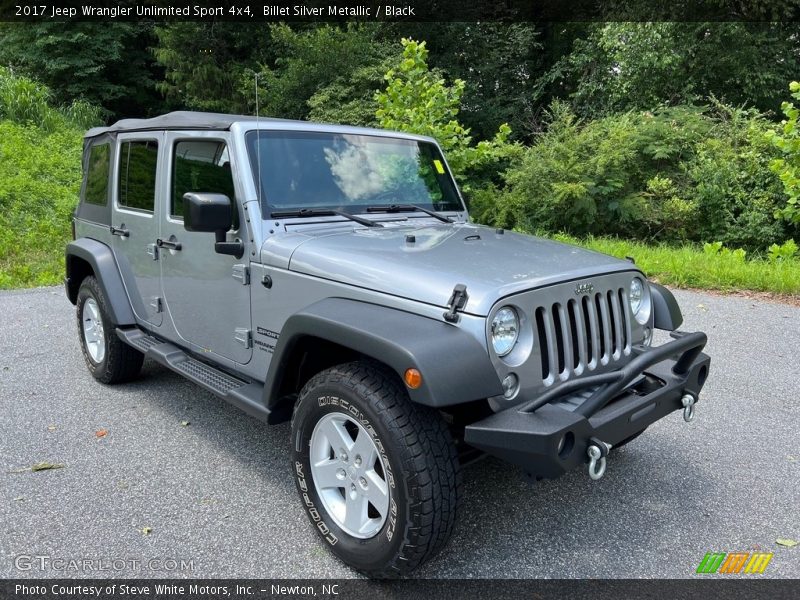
(551, 434)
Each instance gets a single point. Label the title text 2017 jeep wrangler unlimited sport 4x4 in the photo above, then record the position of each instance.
(329, 275)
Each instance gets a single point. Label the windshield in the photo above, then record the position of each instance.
(348, 172)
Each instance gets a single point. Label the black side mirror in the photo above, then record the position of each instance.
(211, 213)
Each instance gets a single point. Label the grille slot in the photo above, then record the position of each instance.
(580, 335)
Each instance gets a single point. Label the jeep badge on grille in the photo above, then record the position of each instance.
(584, 288)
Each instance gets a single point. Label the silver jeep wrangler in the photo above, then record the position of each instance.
(330, 275)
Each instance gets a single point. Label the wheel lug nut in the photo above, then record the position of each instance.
(362, 482)
(358, 460)
(343, 457)
(340, 473)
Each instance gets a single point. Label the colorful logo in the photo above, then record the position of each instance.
(734, 562)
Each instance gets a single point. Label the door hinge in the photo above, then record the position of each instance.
(156, 304)
(243, 336)
(458, 300)
(152, 250)
(241, 273)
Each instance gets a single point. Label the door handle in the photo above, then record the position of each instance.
(120, 231)
(168, 244)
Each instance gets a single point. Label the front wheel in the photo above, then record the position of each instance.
(377, 475)
(107, 357)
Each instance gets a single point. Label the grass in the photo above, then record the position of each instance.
(685, 266)
(689, 266)
(40, 174)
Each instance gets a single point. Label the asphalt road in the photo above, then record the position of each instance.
(217, 493)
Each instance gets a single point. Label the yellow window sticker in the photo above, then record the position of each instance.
(439, 166)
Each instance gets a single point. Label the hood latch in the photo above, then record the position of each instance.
(458, 300)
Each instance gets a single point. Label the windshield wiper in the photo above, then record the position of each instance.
(311, 212)
(394, 208)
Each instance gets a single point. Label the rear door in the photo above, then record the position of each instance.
(134, 223)
(207, 294)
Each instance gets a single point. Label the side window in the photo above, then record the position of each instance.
(200, 166)
(96, 191)
(137, 175)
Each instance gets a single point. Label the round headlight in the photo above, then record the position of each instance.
(505, 330)
(639, 298)
(635, 295)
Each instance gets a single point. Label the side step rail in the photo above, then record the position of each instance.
(247, 396)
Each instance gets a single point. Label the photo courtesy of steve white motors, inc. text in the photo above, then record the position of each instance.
(211, 10)
(161, 589)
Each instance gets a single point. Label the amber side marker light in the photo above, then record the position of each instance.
(413, 378)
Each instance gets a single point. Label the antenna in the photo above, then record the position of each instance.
(258, 147)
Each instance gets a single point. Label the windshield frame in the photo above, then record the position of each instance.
(251, 135)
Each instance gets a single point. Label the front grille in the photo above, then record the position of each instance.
(582, 333)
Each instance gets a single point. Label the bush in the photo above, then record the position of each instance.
(419, 101)
(785, 251)
(40, 175)
(788, 165)
(25, 101)
(681, 173)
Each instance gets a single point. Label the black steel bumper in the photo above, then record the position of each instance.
(547, 437)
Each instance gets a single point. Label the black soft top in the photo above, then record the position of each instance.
(177, 120)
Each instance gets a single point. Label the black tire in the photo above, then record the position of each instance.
(629, 439)
(414, 442)
(121, 362)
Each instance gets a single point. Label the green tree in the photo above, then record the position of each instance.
(205, 61)
(419, 101)
(326, 70)
(622, 66)
(105, 64)
(350, 100)
(787, 167)
(498, 62)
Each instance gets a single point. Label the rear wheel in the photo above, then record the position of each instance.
(108, 358)
(377, 475)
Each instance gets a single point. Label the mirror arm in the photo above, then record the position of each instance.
(231, 248)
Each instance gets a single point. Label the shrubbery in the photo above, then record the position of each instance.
(419, 101)
(40, 174)
(681, 173)
(715, 175)
(787, 167)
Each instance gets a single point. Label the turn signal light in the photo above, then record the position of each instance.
(413, 378)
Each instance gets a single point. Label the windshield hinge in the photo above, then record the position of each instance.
(242, 274)
(457, 301)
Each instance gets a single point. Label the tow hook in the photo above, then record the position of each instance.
(597, 452)
(688, 402)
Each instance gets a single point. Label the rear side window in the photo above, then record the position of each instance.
(200, 166)
(137, 175)
(96, 191)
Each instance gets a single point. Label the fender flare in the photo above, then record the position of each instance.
(666, 311)
(455, 367)
(101, 260)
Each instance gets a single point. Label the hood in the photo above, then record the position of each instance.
(490, 264)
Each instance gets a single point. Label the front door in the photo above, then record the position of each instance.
(207, 294)
(137, 171)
